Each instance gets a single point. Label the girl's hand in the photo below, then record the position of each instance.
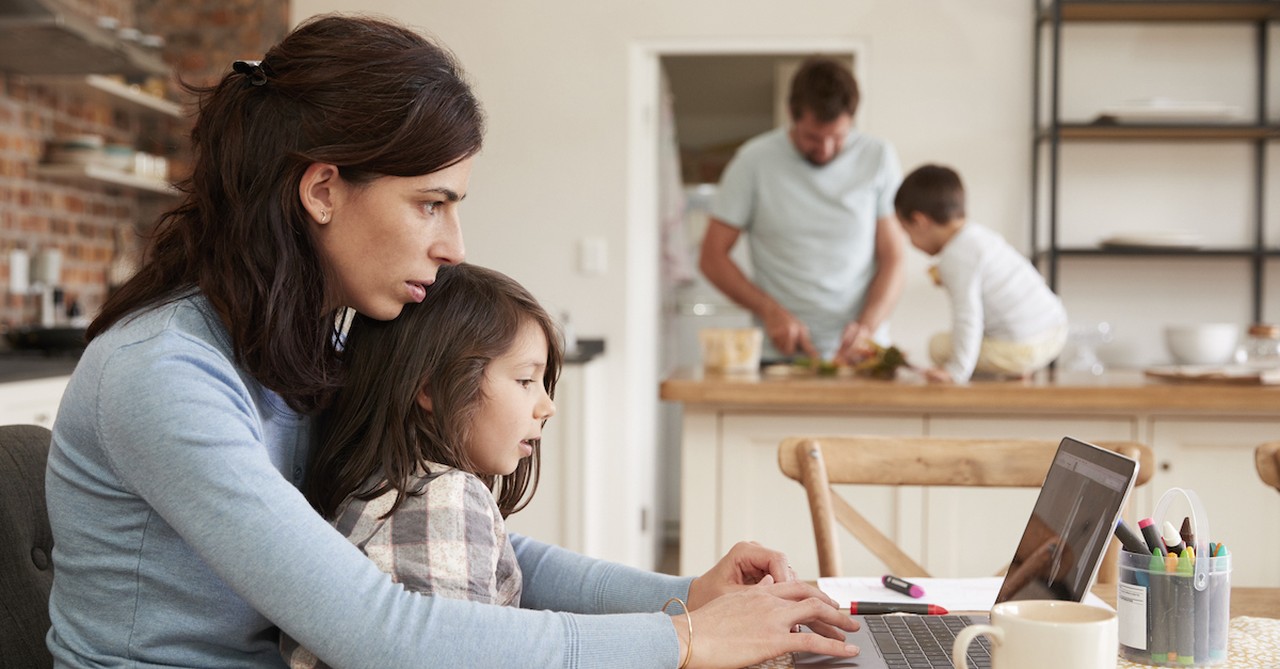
(745, 564)
(755, 623)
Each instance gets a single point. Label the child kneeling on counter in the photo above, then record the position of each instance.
(1005, 321)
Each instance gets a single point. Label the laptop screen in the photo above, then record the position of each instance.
(1071, 524)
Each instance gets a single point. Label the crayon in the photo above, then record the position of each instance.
(1148, 528)
(900, 585)
(877, 608)
(1172, 541)
(1186, 612)
(1175, 606)
(1131, 540)
(1188, 536)
(1158, 610)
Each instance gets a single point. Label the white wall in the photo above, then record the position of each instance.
(945, 80)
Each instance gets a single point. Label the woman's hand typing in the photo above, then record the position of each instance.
(756, 623)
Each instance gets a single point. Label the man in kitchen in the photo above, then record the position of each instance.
(815, 200)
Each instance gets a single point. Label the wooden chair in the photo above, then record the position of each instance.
(1267, 457)
(819, 462)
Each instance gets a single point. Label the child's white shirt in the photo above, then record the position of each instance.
(995, 293)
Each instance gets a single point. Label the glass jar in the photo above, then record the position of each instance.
(1262, 345)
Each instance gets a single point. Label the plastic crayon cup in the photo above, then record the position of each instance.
(1175, 611)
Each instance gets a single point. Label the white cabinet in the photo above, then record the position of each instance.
(752, 499)
(1215, 459)
(33, 402)
(732, 489)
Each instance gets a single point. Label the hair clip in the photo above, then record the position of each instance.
(253, 71)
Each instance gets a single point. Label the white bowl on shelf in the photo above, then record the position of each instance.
(1202, 344)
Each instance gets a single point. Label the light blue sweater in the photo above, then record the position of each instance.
(181, 539)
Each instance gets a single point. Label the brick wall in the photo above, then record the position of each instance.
(94, 225)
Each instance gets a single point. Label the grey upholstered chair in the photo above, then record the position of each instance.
(26, 544)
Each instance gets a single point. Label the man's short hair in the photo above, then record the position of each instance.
(823, 87)
(932, 190)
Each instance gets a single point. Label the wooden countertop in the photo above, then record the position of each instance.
(1113, 392)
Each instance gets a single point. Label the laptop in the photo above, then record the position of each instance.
(1057, 558)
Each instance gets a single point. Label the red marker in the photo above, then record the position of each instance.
(877, 608)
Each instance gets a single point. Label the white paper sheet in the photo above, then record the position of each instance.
(952, 594)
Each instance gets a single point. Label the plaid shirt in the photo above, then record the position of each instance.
(449, 541)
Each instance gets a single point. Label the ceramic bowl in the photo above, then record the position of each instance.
(1202, 344)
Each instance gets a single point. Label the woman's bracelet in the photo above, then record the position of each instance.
(688, 618)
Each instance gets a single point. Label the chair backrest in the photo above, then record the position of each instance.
(1267, 457)
(819, 462)
(26, 545)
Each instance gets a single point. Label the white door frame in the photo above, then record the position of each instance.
(643, 308)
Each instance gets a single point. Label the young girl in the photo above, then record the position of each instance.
(435, 438)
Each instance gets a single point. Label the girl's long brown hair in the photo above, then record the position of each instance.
(365, 94)
(375, 426)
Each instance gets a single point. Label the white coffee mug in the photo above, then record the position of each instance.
(1045, 635)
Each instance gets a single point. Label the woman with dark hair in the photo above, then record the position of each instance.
(327, 176)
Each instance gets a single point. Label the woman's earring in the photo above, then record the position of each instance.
(324, 216)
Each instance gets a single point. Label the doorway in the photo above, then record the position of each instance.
(707, 99)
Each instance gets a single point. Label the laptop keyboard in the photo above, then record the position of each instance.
(924, 642)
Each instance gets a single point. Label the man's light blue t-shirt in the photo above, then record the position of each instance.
(811, 230)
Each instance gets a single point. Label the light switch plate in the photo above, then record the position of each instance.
(593, 256)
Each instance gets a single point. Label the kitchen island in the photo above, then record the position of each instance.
(1202, 435)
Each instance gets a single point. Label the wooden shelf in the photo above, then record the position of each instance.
(49, 42)
(112, 92)
(1256, 131)
(1166, 10)
(103, 175)
(1163, 132)
(1159, 252)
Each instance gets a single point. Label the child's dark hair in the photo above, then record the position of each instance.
(823, 87)
(932, 190)
(375, 426)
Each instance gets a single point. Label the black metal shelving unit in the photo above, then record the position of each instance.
(1049, 18)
